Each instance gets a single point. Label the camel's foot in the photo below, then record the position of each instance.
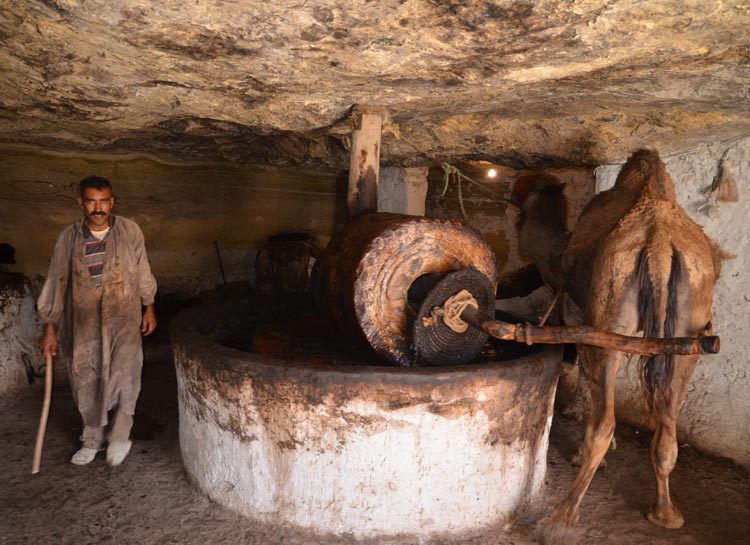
(558, 533)
(667, 518)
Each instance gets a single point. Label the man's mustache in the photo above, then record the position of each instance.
(98, 214)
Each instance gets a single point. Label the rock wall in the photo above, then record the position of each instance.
(182, 208)
(20, 360)
(552, 82)
(716, 415)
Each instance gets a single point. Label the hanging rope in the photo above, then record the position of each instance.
(451, 173)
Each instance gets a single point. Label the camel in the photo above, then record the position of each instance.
(635, 262)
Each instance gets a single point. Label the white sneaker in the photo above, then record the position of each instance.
(117, 451)
(83, 456)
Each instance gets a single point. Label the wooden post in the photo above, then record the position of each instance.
(362, 195)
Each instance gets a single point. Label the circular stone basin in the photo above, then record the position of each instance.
(281, 421)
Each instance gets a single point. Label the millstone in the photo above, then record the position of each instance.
(373, 266)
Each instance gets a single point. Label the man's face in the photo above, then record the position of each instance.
(97, 206)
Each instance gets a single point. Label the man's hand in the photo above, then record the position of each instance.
(148, 324)
(48, 341)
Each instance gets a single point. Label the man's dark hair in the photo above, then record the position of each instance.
(93, 182)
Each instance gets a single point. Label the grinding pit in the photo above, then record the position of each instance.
(284, 423)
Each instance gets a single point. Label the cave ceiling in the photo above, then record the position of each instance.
(579, 82)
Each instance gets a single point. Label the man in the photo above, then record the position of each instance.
(98, 281)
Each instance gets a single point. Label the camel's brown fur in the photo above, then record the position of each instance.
(635, 262)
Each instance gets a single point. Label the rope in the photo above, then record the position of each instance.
(452, 173)
(452, 309)
(523, 333)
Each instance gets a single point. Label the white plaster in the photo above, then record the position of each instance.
(19, 331)
(401, 471)
(716, 415)
(403, 190)
(540, 456)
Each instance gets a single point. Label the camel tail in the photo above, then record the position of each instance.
(657, 307)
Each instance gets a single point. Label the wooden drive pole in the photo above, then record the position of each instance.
(590, 336)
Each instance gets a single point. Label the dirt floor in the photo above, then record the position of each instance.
(148, 500)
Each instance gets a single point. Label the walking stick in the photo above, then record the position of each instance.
(43, 420)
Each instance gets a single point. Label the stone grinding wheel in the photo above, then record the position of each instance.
(363, 277)
(437, 344)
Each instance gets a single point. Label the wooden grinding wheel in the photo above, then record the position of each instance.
(364, 275)
(437, 344)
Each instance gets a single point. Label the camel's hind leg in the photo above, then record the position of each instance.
(664, 444)
(693, 312)
(617, 311)
(602, 370)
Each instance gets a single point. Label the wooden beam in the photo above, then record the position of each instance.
(530, 334)
(362, 194)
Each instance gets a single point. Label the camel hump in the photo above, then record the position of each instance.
(645, 172)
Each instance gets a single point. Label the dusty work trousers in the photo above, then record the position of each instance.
(95, 437)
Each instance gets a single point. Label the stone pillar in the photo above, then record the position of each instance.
(362, 195)
(403, 190)
(20, 359)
